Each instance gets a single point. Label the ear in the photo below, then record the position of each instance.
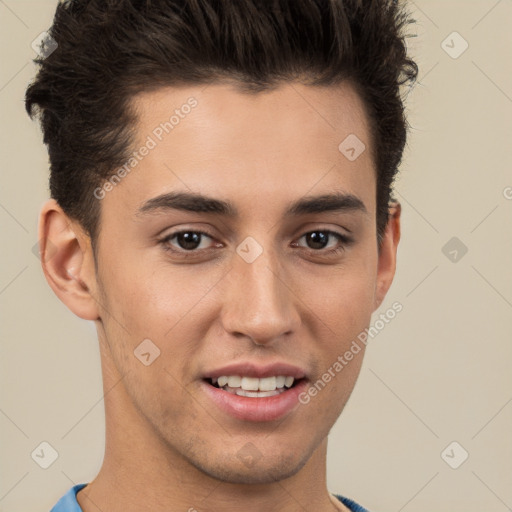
(387, 254)
(66, 258)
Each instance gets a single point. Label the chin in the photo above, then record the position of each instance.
(261, 471)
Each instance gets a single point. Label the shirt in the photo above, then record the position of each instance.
(68, 502)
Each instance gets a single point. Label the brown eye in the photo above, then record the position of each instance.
(319, 239)
(186, 241)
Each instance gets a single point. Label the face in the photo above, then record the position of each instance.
(247, 286)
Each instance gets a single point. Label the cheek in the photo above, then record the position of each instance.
(343, 298)
(167, 305)
(343, 305)
(147, 298)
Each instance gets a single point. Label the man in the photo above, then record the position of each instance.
(221, 208)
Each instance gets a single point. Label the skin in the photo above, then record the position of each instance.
(168, 446)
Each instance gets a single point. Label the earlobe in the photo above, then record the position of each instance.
(67, 262)
(387, 254)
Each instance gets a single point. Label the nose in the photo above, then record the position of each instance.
(260, 303)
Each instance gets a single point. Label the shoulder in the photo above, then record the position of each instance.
(351, 504)
(68, 502)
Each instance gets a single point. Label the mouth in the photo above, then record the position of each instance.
(254, 387)
(251, 394)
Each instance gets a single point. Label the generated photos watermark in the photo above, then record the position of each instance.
(344, 359)
(152, 141)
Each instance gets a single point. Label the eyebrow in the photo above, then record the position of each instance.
(199, 203)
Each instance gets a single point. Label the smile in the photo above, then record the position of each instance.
(253, 387)
(256, 404)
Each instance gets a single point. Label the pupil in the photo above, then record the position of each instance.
(314, 237)
(189, 240)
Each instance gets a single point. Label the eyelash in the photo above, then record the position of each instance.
(344, 240)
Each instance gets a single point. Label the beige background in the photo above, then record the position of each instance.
(439, 372)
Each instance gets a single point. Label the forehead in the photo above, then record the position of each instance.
(275, 144)
(292, 112)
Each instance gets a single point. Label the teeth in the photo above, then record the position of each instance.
(234, 381)
(253, 384)
(254, 394)
(268, 384)
(250, 383)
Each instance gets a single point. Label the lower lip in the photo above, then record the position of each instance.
(267, 408)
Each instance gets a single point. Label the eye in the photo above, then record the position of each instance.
(318, 241)
(187, 241)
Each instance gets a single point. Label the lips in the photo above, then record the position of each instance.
(252, 370)
(250, 392)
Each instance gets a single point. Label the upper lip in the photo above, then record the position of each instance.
(249, 369)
